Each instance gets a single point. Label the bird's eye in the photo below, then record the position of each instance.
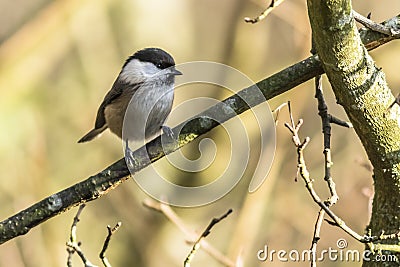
(159, 65)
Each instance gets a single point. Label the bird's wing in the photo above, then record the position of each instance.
(115, 92)
(100, 124)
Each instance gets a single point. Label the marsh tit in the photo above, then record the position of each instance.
(140, 99)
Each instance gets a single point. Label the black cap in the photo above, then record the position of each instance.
(157, 56)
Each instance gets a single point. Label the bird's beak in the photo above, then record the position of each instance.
(175, 72)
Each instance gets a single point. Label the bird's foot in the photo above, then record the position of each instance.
(128, 155)
(170, 134)
(168, 131)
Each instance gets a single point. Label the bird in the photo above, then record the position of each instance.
(140, 99)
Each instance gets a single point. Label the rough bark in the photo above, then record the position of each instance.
(360, 87)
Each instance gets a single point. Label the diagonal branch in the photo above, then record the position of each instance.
(99, 184)
(167, 211)
(265, 13)
(375, 26)
(205, 233)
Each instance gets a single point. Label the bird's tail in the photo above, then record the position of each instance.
(92, 134)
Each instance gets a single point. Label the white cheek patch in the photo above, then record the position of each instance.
(136, 71)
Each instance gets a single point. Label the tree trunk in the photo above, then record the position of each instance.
(360, 87)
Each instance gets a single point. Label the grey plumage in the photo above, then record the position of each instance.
(147, 82)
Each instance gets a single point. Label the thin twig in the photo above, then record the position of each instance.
(206, 232)
(396, 101)
(370, 24)
(102, 255)
(69, 259)
(73, 244)
(302, 169)
(72, 237)
(337, 221)
(173, 217)
(337, 121)
(326, 120)
(294, 128)
(316, 237)
(264, 14)
(277, 111)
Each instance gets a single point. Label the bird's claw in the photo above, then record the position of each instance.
(128, 155)
(170, 134)
(168, 131)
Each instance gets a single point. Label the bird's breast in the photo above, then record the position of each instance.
(147, 111)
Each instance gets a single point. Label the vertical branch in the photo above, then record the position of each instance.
(102, 255)
(73, 244)
(316, 237)
(326, 120)
(361, 88)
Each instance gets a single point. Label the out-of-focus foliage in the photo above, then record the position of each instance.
(59, 58)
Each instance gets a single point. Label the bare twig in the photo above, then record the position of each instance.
(378, 27)
(102, 255)
(206, 232)
(73, 244)
(72, 237)
(277, 111)
(396, 101)
(302, 170)
(337, 121)
(337, 221)
(326, 120)
(294, 129)
(264, 14)
(192, 237)
(316, 237)
(326, 129)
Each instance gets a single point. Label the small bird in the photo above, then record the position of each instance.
(140, 99)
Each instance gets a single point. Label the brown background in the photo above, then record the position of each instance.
(58, 59)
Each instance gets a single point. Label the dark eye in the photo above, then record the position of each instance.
(159, 65)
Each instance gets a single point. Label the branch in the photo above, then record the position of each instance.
(325, 205)
(375, 26)
(102, 255)
(316, 237)
(73, 245)
(305, 175)
(99, 184)
(264, 14)
(361, 88)
(206, 232)
(326, 120)
(192, 237)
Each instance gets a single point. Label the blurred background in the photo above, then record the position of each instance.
(59, 58)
